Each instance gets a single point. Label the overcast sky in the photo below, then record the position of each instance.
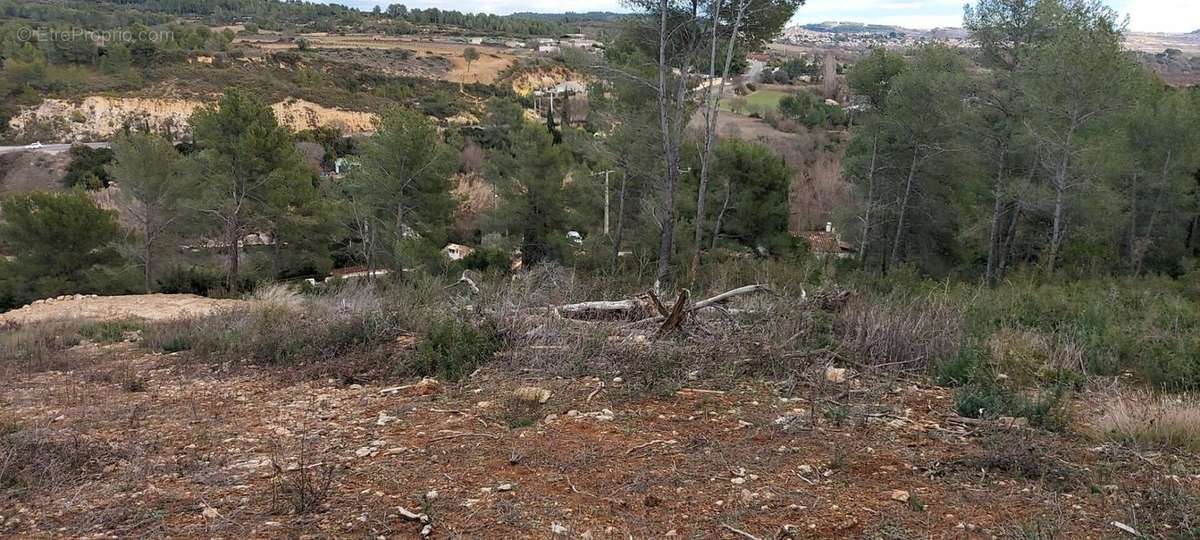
(1144, 15)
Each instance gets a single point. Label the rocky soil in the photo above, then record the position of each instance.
(196, 449)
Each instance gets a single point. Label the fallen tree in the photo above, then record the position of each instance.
(648, 306)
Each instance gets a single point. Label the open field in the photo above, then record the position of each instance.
(492, 61)
(574, 428)
(209, 452)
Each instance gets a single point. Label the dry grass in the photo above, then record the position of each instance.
(1169, 422)
(901, 334)
(34, 458)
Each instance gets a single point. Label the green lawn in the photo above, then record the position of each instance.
(761, 100)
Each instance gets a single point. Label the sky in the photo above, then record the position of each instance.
(1144, 15)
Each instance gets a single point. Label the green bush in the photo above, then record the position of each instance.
(452, 349)
(109, 331)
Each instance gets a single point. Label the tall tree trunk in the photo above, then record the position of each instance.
(619, 233)
(1155, 210)
(866, 236)
(721, 215)
(994, 231)
(149, 264)
(1060, 199)
(908, 184)
(667, 225)
(1010, 239)
(233, 237)
(711, 111)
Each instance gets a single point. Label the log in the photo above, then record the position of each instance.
(645, 308)
(748, 289)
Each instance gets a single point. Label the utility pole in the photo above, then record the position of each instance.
(606, 197)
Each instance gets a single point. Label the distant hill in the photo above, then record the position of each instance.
(843, 27)
(570, 16)
(853, 30)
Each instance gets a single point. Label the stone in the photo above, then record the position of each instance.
(384, 419)
(835, 375)
(532, 394)
(210, 513)
(900, 495)
(558, 529)
(428, 387)
(504, 487)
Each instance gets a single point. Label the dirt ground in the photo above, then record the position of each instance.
(22, 172)
(197, 450)
(152, 307)
(492, 60)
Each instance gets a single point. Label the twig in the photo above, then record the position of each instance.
(651, 443)
(594, 392)
(741, 532)
(462, 434)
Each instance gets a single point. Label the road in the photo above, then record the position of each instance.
(49, 148)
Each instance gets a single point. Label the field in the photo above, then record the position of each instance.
(492, 61)
(572, 428)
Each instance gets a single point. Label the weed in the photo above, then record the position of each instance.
(1154, 423)
(520, 413)
(301, 489)
(109, 331)
(452, 349)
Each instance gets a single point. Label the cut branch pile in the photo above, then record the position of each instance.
(647, 309)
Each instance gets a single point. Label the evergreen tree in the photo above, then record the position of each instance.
(250, 171)
(59, 242)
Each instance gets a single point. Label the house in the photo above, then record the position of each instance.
(827, 243)
(457, 252)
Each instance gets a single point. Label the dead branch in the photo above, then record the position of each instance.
(740, 532)
(649, 444)
(748, 289)
(675, 319)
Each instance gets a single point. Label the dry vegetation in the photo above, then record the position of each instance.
(357, 410)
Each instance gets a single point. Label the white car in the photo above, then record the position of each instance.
(33, 146)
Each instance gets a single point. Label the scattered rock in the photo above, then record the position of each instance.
(900, 495)
(836, 375)
(428, 387)
(384, 419)
(532, 394)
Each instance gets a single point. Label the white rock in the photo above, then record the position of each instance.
(558, 529)
(900, 495)
(835, 375)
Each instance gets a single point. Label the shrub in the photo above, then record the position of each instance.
(1153, 423)
(901, 334)
(37, 347)
(109, 331)
(452, 349)
(283, 328)
(991, 399)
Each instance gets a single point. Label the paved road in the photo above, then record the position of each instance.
(49, 148)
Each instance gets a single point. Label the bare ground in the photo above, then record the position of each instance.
(205, 451)
(152, 307)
